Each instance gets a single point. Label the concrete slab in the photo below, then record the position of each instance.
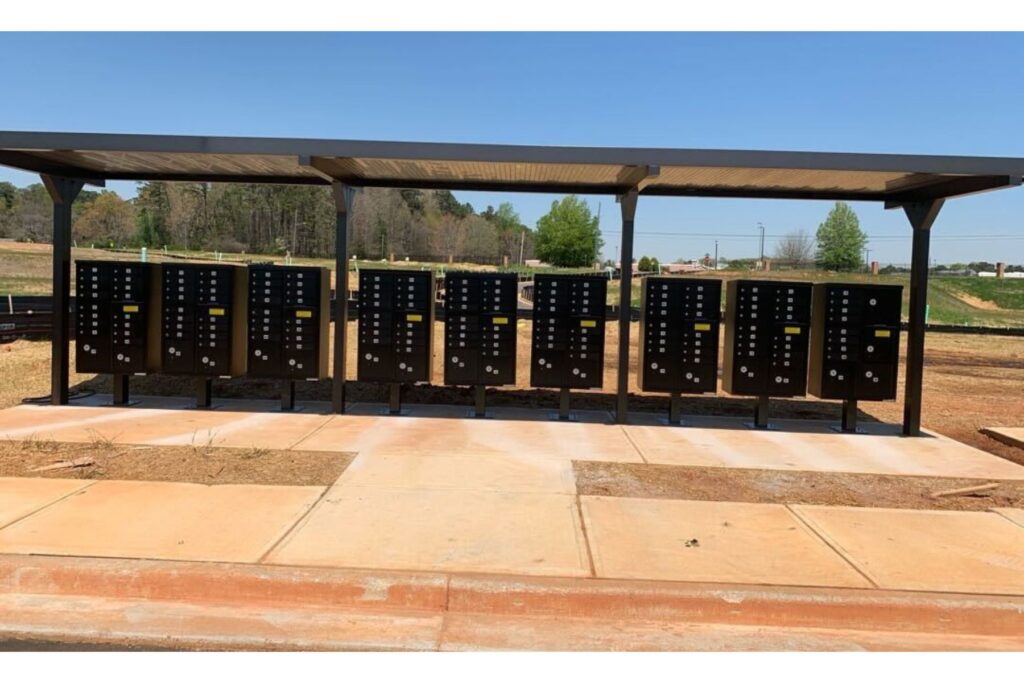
(20, 496)
(813, 446)
(272, 430)
(440, 530)
(1015, 515)
(41, 422)
(461, 472)
(964, 552)
(161, 520)
(682, 540)
(514, 438)
(1011, 436)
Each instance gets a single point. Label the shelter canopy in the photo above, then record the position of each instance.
(892, 178)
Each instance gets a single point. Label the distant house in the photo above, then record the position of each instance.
(673, 268)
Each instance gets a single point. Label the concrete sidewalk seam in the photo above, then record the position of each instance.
(832, 544)
(316, 430)
(633, 444)
(49, 505)
(586, 537)
(293, 526)
(1006, 516)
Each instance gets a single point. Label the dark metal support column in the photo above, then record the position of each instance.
(204, 392)
(63, 192)
(479, 400)
(628, 203)
(922, 216)
(287, 395)
(850, 415)
(761, 412)
(121, 396)
(674, 408)
(395, 398)
(344, 199)
(563, 403)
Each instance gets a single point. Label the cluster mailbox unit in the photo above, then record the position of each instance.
(679, 320)
(568, 334)
(480, 326)
(289, 325)
(855, 341)
(203, 330)
(223, 320)
(396, 322)
(766, 341)
(114, 329)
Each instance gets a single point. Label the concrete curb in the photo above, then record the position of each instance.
(230, 606)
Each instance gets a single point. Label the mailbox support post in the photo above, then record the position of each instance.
(479, 400)
(120, 383)
(204, 392)
(850, 415)
(287, 395)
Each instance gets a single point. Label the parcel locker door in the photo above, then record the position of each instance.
(875, 382)
(882, 306)
(548, 367)
(460, 365)
(376, 362)
(496, 370)
(412, 364)
(880, 345)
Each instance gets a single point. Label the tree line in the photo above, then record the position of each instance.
(274, 219)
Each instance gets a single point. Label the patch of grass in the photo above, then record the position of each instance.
(35, 444)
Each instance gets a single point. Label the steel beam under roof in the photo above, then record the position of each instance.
(892, 178)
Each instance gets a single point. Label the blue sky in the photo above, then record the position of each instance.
(909, 93)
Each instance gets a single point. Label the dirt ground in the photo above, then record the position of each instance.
(200, 464)
(772, 486)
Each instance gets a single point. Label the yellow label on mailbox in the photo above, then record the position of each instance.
(702, 327)
(793, 330)
(216, 311)
(414, 318)
(131, 309)
(884, 334)
(303, 314)
(500, 321)
(588, 323)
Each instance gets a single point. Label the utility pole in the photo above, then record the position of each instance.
(761, 260)
(716, 256)
(522, 244)
(867, 257)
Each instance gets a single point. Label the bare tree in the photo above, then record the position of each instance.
(796, 248)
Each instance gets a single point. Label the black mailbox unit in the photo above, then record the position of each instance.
(679, 319)
(289, 325)
(766, 340)
(568, 333)
(480, 330)
(855, 342)
(396, 323)
(116, 320)
(203, 331)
